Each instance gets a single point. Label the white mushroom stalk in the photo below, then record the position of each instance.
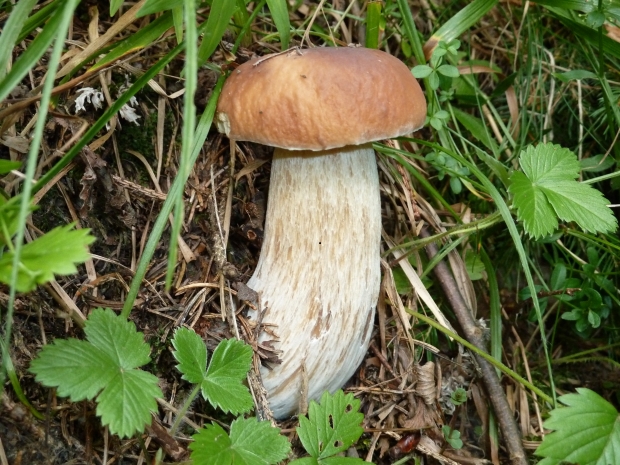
(318, 273)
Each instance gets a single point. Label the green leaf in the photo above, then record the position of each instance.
(251, 442)
(219, 17)
(6, 166)
(460, 22)
(452, 436)
(449, 71)
(104, 366)
(596, 163)
(474, 265)
(114, 6)
(547, 190)
(576, 74)
(191, 353)
(373, 24)
(477, 128)
(279, 14)
(155, 6)
(143, 37)
(421, 71)
(331, 427)
(28, 59)
(10, 31)
(221, 383)
(587, 431)
(56, 252)
(223, 386)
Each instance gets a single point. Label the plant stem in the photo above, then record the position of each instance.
(473, 334)
(183, 410)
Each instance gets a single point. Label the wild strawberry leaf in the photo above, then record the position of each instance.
(331, 427)
(56, 252)
(587, 431)
(251, 442)
(221, 383)
(104, 366)
(546, 190)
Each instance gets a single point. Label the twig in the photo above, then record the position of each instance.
(473, 334)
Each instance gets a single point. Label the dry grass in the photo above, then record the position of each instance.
(116, 188)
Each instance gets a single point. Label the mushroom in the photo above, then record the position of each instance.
(318, 274)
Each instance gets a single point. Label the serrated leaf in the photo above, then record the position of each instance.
(191, 353)
(587, 431)
(547, 190)
(104, 366)
(222, 385)
(539, 218)
(250, 443)
(76, 368)
(332, 426)
(56, 252)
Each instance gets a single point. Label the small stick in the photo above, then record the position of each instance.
(473, 334)
(273, 55)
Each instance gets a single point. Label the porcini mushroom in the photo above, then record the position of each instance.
(319, 268)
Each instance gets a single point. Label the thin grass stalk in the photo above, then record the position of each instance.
(189, 129)
(175, 190)
(31, 165)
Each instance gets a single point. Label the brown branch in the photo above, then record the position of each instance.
(473, 334)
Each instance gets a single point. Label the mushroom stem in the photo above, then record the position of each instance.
(319, 269)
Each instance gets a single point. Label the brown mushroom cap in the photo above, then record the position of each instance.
(321, 98)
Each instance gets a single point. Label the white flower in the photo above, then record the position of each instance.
(128, 113)
(90, 95)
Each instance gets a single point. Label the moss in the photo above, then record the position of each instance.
(139, 138)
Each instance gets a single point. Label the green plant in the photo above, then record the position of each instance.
(220, 381)
(331, 427)
(452, 437)
(251, 442)
(105, 368)
(546, 190)
(586, 431)
(439, 73)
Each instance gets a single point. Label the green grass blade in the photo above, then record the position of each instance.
(219, 18)
(477, 128)
(177, 19)
(240, 19)
(29, 58)
(189, 128)
(155, 6)
(114, 6)
(11, 30)
(494, 306)
(64, 16)
(411, 32)
(459, 23)
(279, 14)
(176, 189)
(142, 38)
(38, 18)
(373, 24)
(585, 6)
